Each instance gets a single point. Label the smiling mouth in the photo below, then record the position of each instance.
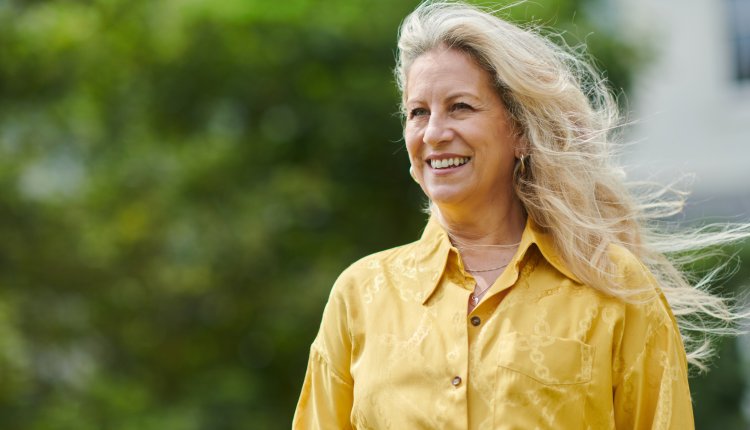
(447, 163)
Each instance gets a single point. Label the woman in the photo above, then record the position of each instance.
(536, 298)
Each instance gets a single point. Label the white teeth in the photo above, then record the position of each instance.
(448, 162)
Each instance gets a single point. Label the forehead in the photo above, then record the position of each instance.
(444, 70)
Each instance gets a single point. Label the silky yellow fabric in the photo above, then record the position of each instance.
(397, 350)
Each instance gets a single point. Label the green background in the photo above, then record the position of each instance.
(180, 183)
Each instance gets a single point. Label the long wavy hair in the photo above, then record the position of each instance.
(572, 188)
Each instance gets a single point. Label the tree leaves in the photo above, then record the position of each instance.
(180, 184)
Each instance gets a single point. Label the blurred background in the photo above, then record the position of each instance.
(181, 181)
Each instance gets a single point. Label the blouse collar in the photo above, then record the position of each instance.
(435, 246)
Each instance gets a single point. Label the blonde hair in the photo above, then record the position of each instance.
(571, 187)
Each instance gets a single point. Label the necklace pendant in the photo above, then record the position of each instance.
(474, 300)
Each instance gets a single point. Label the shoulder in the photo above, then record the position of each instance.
(372, 284)
(647, 310)
(624, 259)
(397, 262)
(388, 258)
(632, 275)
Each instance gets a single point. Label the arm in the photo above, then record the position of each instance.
(653, 390)
(326, 398)
(650, 386)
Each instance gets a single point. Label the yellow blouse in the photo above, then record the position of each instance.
(397, 350)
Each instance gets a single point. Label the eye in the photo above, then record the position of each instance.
(460, 106)
(416, 112)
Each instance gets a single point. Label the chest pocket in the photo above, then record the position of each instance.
(541, 382)
(548, 360)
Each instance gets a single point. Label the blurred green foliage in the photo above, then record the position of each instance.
(180, 183)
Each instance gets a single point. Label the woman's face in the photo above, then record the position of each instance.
(458, 133)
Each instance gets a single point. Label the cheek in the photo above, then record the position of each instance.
(412, 145)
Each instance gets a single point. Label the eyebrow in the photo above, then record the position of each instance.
(451, 97)
(462, 94)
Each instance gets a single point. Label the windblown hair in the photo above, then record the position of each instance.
(566, 116)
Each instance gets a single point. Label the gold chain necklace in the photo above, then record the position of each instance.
(485, 270)
(475, 297)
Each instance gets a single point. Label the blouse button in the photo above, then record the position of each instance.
(475, 321)
(456, 381)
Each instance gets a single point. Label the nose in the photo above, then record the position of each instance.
(437, 131)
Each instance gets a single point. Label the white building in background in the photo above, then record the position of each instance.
(691, 100)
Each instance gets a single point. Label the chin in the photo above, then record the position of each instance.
(448, 197)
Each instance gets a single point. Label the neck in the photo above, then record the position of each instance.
(489, 225)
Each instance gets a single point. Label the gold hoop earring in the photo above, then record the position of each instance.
(523, 165)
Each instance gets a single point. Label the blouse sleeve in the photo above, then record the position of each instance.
(651, 383)
(326, 398)
(653, 392)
